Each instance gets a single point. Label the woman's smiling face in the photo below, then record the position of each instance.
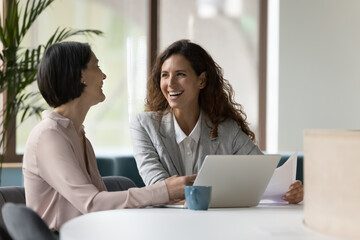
(179, 83)
(93, 78)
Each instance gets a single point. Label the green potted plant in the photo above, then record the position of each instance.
(19, 64)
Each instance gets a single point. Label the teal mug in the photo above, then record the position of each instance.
(198, 197)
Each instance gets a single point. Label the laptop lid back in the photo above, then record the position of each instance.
(237, 180)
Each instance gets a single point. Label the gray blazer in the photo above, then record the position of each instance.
(158, 156)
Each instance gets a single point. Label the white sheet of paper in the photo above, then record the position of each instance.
(282, 178)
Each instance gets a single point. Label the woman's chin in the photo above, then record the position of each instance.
(99, 100)
(103, 98)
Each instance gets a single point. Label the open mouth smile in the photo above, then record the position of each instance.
(175, 94)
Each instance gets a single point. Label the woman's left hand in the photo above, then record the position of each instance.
(295, 193)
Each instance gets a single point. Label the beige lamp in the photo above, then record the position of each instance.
(332, 182)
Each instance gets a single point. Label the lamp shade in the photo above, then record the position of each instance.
(332, 182)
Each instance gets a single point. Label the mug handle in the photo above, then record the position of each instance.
(194, 198)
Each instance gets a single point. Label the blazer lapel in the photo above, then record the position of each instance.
(167, 133)
(207, 145)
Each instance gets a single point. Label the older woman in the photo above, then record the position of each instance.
(190, 113)
(60, 171)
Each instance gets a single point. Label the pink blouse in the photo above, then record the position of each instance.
(57, 183)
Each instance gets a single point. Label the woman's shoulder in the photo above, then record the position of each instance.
(146, 118)
(229, 123)
(45, 125)
(45, 131)
(230, 127)
(147, 115)
(52, 123)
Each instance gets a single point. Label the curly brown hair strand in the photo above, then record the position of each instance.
(216, 99)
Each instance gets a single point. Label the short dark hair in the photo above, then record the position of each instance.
(59, 73)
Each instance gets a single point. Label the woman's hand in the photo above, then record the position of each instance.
(176, 185)
(295, 193)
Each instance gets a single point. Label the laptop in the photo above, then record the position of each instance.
(236, 180)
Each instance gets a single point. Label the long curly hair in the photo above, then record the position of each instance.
(215, 99)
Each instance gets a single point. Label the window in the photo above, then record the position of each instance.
(122, 57)
(229, 31)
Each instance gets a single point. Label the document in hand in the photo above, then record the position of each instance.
(282, 178)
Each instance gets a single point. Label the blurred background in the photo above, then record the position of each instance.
(292, 64)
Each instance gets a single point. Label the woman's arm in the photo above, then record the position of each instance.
(242, 144)
(59, 166)
(146, 154)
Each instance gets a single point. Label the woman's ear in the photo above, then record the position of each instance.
(202, 80)
(83, 81)
(82, 77)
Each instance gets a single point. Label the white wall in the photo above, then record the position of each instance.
(319, 68)
(231, 41)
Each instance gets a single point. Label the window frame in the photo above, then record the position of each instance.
(9, 153)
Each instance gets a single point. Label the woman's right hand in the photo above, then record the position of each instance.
(176, 185)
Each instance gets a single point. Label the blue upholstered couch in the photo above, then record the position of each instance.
(126, 166)
(120, 166)
(299, 167)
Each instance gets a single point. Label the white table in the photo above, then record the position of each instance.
(266, 221)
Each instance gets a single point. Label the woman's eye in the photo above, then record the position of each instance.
(181, 74)
(163, 75)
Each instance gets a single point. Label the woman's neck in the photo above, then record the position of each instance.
(75, 112)
(187, 119)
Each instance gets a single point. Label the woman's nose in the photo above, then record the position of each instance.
(104, 76)
(171, 80)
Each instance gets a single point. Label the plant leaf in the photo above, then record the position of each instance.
(19, 65)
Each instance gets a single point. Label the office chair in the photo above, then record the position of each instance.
(9, 194)
(118, 183)
(120, 166)
(23, 223)
(17, 195)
